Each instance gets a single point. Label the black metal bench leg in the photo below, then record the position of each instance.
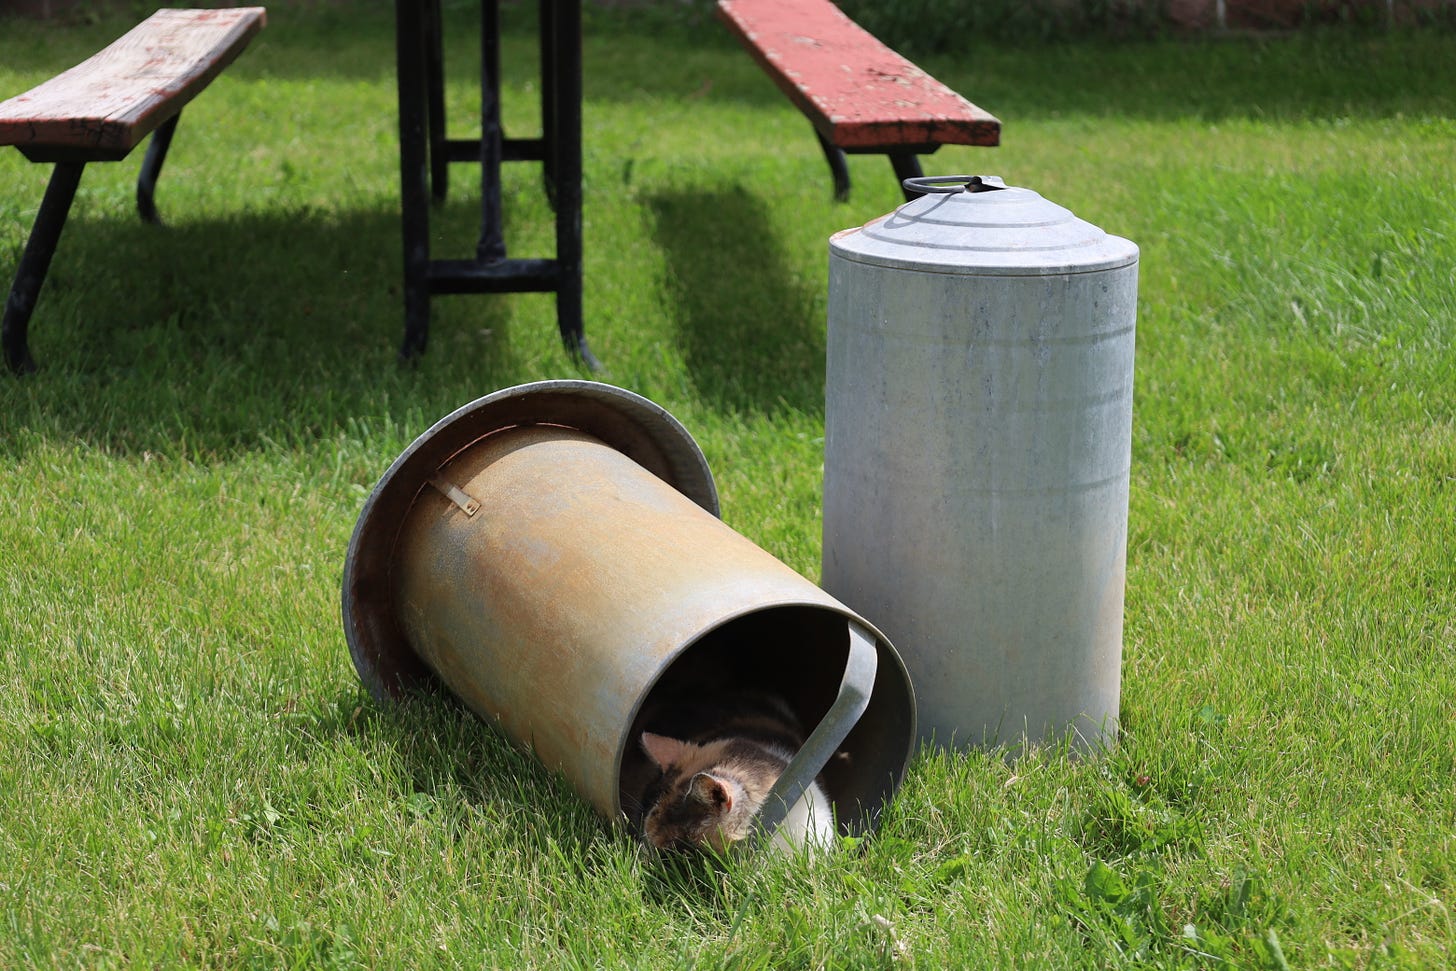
(414, 177)
(837, 167)
(907, 166)
(152, 170)
(435, 85)
(35, 262)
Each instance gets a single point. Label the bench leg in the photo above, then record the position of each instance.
(837, 167)
(35, 262)
(907, 166)
(152, 170)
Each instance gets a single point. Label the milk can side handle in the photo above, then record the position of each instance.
(854, 697)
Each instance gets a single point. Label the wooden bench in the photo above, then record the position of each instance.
(861, 96)
(100, 110)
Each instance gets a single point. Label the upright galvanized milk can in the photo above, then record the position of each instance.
(978, 433)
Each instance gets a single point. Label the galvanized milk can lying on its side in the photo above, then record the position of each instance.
(552, 554)
(978, 431)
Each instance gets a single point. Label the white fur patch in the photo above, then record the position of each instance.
(810, 823)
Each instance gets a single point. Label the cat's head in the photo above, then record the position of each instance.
(702, 799)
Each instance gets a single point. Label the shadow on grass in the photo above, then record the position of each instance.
(750, 330)
(212, 337)
(452, 765)
(455, 769)
(446, 760)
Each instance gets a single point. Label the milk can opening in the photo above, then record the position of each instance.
(797, 653)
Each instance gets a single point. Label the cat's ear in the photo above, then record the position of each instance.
(712, 792)
(663, 751)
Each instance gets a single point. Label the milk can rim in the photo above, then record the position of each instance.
(987, 268)
(368, 626)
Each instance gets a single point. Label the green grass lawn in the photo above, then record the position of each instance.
(191, 775)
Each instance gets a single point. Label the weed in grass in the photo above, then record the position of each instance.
(1122, 825)
(1133, 915)
(1123, 917)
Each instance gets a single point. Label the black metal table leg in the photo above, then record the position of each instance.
(435, 80)
(563, 152)
(152, 170)
(414, 176)
(492, 246)
(424, 149)
(550, 120)
(35, 262)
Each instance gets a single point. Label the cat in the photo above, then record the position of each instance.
(711, 781)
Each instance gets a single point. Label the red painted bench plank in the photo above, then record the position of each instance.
(859, 93)
(111, 101)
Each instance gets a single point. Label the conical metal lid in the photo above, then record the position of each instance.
(977, 225)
